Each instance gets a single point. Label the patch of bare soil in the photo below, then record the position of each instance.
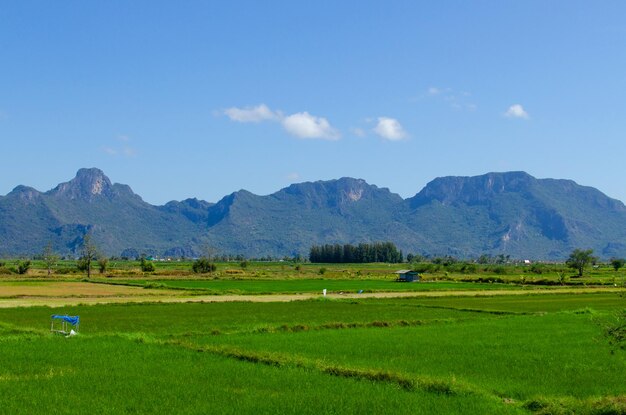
(75, 289)
(68, 294)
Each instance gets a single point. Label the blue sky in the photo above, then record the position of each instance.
(202, 98)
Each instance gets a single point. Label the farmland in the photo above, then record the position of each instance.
(162, 343)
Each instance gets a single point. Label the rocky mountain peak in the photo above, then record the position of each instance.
(454, 189)
(26, 194)
(88, 184)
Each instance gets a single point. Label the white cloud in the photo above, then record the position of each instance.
(390, 129)
(252, 114)
(293, 177)
(516, 111)
(305, 125)
(300, 124)
(457, 100)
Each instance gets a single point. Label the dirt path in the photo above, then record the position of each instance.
(168, 297)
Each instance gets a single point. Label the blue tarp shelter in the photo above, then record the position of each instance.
(71, 322)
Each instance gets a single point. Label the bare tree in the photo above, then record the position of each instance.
(89, 254)
(50, 257)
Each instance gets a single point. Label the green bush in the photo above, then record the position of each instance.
(500, 270)
(23, 267)
(82, 264)
(67, 270)
(102, 265)
(426, 268)
(462, 267)
(203, 266)
(147, 266)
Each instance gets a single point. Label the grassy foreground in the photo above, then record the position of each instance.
(489, 355)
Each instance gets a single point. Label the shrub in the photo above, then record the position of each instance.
(146, 266)
(102, 265)
(463, 267)
(423, 268)
(4, 270)
(67, 270)
(22, 267)
(322, 271)
(203, 266)
(500, 270)
(82, 264)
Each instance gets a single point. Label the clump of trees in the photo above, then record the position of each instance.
(145, 265)
(361, 253)
(203, 266)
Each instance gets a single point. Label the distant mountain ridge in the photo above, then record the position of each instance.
(511, 213)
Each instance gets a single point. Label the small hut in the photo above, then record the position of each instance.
(406, 275)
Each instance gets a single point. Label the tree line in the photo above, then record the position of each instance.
(361, 253)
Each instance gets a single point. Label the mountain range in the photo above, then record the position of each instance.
(508, 213)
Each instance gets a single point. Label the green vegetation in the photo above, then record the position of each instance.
(102, 265)
(49, 258)
(579, 259)
(89, 254)
(146, 266)
(499, 355)
(309, 285)
(376, 252)
(23, 267)
(618, 263)
(438, 268)
(203, 266)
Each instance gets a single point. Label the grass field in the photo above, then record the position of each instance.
(453, 346)
(235, 286)
(527, 354)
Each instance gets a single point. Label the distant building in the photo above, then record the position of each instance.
(406, 275)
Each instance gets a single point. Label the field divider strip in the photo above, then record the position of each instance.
(479, 310)
(347, 326)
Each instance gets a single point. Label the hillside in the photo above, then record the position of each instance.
(511, 213)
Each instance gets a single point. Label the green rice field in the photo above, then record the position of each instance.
(520, 354)
(234, 286)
